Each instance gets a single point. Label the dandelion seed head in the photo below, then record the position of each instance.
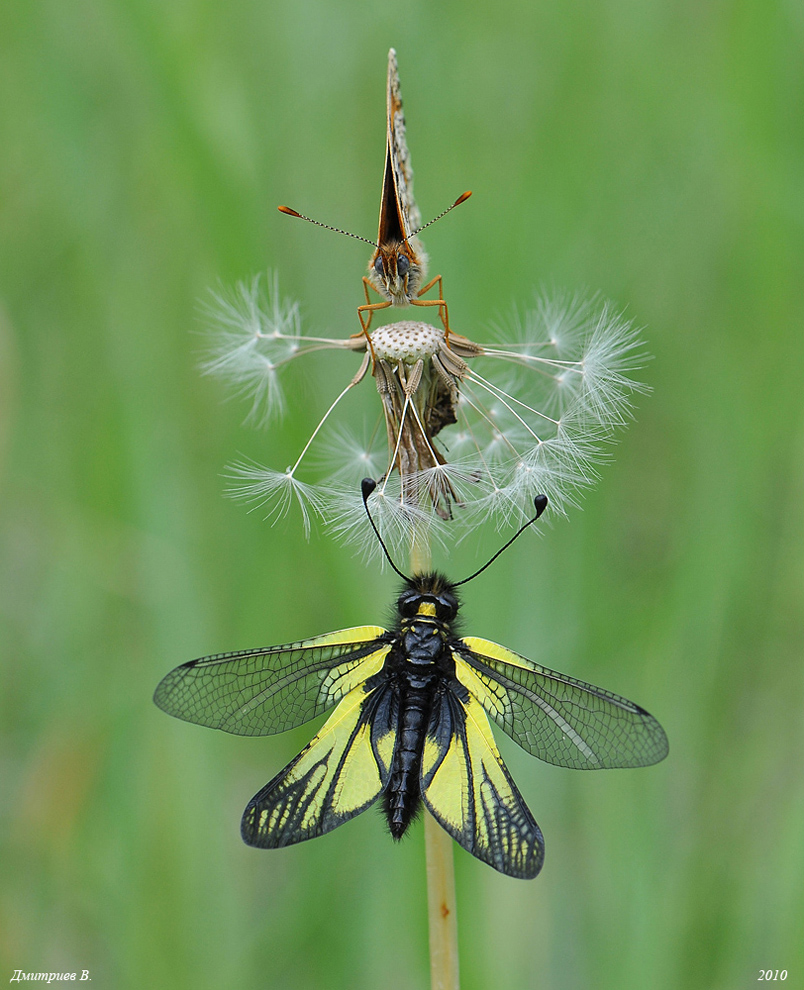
(466, 432)
(407, 341)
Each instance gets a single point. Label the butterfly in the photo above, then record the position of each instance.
(410, 725)
(398, 265)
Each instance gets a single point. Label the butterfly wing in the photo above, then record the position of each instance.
(260, 692)
(333, 779)
(398, 167)
(555, 717)
(466, 787)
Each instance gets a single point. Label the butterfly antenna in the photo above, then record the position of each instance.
(367, 487)
(326, 226)
(540, 503)
(461, 199)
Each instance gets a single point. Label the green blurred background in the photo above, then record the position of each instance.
(651, 150)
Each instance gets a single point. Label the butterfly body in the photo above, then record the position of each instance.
(398, 266)
(410, 726)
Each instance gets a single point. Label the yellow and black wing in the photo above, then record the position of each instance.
(261, 692)
(468, 790)
(340, 773)
(555, 717)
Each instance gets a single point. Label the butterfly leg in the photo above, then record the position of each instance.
(440, 302)
(368, 308)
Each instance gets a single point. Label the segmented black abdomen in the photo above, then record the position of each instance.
(402, 795)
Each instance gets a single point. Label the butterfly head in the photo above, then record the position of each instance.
(396, 272)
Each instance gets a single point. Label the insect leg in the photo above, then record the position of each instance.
(369, 307)
(442, 306)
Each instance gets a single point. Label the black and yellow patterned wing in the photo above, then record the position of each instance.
(468, 790)
(333, 779)
(261, 692)
(555, 717)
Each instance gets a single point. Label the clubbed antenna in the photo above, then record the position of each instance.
(326, 226)
(540, 504)
(369, 484)
(461, 199)
(294, 213)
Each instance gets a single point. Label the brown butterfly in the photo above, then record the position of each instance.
(399, 264)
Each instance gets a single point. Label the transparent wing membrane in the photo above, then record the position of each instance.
(261, 692)
(555, 717)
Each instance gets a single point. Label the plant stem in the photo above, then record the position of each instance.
(441, 907)
(441, 902)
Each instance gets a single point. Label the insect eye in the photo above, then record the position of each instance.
(402, 264)
(378, 265)
(446, 610)
(408, 605)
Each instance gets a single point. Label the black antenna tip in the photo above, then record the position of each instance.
(540, 504)
(367, 486)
